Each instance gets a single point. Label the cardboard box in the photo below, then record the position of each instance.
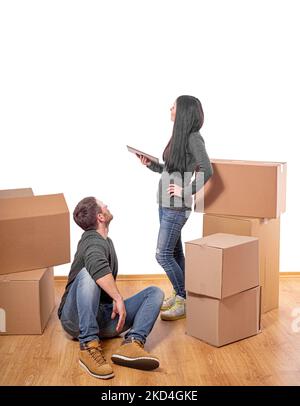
(15, 193)
(221, 265)
(244, 188)
(268, 234)
(34, 231)
(26, 301)
(221, 322)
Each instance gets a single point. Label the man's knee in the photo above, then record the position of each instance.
(85, 281)
(156, 292)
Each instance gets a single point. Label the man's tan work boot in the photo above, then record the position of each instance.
(92, 359)
(131, 354)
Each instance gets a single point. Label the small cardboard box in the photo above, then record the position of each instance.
(221, 322)
(34, 231)
(26, 301)
(221, 265)
(244, 188)
(268, 234)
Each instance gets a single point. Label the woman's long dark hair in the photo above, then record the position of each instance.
(189, 118)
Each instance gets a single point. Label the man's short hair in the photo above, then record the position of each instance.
(85, 213)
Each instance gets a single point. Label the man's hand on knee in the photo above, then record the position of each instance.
(119, 308)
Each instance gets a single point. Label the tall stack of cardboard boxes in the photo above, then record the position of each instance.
(34, 236)
(245, 199)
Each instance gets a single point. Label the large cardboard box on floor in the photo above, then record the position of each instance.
(244, 188)
(221, 322)
(221, 265)
(268, 234)
(34, 231)
(26, 301)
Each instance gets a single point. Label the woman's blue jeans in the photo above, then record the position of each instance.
(83, 316)
(169, 251)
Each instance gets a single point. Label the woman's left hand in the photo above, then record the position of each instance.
(174, 190)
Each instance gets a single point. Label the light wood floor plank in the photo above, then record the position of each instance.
(270, 358)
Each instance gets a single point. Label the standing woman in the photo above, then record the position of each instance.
(184, 155)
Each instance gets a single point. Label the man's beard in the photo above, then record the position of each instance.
(108, 219)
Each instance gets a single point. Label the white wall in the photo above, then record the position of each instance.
(81, 79)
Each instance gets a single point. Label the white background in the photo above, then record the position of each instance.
(81, 79)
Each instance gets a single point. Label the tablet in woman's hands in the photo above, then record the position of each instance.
(139, 153)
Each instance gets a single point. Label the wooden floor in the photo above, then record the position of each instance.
(270, 358)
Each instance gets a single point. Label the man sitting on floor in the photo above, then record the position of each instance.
(92, 308)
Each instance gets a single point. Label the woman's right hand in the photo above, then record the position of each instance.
(144, 160)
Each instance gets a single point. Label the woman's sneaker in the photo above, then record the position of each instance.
(176, 312)
(169, 302)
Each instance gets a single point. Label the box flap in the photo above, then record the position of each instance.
(35, 275)
(47, 296)
(9, 193)
(32, 206)
(245, 162)
(222, 240)
(281, 185)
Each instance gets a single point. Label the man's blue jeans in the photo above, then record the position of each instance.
(83, 316)
(169, 251)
